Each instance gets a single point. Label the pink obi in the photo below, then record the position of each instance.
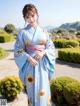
(32, 48)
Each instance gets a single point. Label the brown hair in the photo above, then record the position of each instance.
(29, 9)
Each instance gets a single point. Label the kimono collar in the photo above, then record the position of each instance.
(29, 27)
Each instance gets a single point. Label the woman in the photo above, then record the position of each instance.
(35, 56)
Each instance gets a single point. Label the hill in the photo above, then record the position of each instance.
(68, 26)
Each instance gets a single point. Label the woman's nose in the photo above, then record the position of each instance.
(31, 18)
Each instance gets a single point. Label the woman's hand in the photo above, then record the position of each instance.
(40, 54)
(32, 61)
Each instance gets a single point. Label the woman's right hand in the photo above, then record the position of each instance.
(32, 61)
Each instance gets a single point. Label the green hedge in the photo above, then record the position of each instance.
(69, 55)
(72, 93)
(64, 43)
(10, 87)
(63, 88)
(3, 53)
(5, 37)
(78, 41)
(59, 43)
(71, 43)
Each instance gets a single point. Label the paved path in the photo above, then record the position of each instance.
(8, 66)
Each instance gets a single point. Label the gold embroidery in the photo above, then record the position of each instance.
(42, 42)
(49, 100)
(30, 78)
(27, 42)
(41, 93)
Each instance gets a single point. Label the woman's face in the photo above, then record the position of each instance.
(32, 19)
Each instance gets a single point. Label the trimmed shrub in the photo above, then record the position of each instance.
(69, 55)
(57, 89)
(72, 93)
(78, 41)
(57, 92)
(3, 53)
(64, 43)
(5, 37)
(10, 87)
(70, 44)
(2, 32)
(59, 43)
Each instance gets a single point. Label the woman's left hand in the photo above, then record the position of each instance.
(39, 54)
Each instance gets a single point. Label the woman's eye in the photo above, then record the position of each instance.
(32, 15)
(27, 17)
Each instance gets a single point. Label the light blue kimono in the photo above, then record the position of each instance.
(35, 78)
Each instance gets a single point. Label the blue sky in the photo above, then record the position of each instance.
(51, 12)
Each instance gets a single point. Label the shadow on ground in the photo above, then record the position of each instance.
(74, 65)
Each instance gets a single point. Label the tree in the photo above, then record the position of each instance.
(72, 31)
(78, 33)
(9, 28)
(61, 31)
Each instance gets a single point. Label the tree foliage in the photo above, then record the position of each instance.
(9, 28)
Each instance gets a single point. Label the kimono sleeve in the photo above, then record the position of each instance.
(20, 55)
(50, 53)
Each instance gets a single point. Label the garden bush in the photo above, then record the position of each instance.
(59, 89)
(5, 37)
(10, 87)
(59, 43)
(78, 41)
(3, 53)
(64, 43)
(71, 93)
(70, 44)
(69, 55)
